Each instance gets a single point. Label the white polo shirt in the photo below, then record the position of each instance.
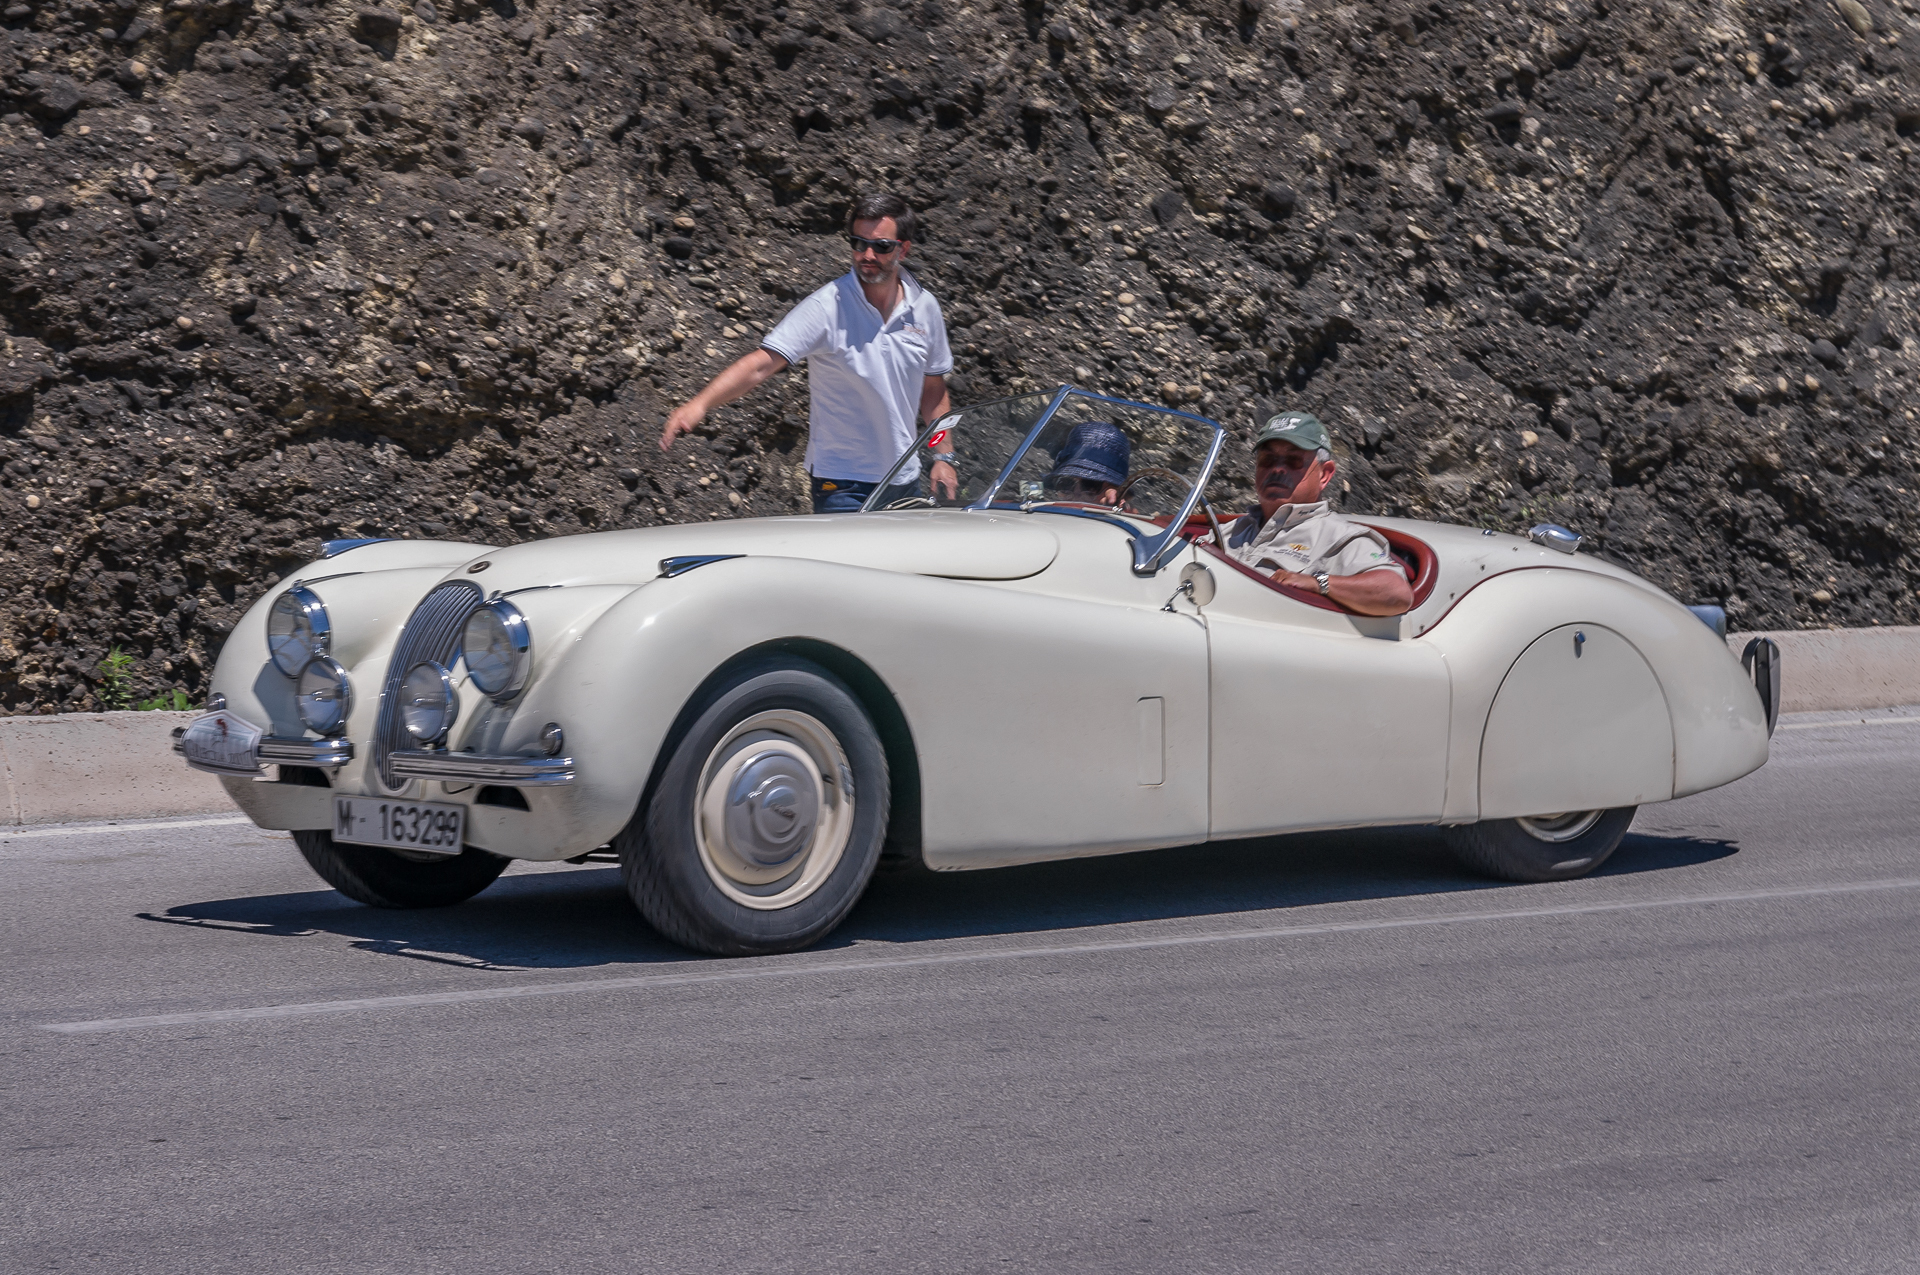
(866, 373)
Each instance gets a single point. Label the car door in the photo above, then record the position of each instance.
(1319, 719)
(1066, 714)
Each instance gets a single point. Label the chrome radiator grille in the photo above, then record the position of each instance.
(432, 632)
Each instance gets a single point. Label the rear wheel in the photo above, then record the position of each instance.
(1554, 847)
(383, 878)
(768, 818)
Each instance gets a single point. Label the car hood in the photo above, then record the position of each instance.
(956, 544)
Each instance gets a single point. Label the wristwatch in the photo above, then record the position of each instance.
(948, 457)
(1322, 579)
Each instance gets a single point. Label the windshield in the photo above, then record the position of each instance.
(1071, 451)
(1099, 454)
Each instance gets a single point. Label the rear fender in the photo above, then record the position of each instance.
(1719, 730)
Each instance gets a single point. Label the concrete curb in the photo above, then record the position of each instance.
(81, 766)
(75, 766)
(1824, 669)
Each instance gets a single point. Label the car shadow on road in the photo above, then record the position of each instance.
(582, 918)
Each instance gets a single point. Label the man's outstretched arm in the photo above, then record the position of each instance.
(739, 379)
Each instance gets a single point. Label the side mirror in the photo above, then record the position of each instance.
(1198, 583)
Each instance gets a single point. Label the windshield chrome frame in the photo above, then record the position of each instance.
(1150, 553)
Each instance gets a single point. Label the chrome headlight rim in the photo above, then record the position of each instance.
(517, 639)
(292, 653)
(428, 720)
(340, 705)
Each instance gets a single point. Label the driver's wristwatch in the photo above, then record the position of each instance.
(1322, 579)
(947, 457)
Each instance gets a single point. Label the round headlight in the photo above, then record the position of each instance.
(326, 696)
(297, 630)
(498, 649)
(427, 703)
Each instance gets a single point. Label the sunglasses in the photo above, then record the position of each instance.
(884, 247)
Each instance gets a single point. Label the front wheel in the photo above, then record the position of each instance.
(1556, 847)
(767, 819)
(383, 878)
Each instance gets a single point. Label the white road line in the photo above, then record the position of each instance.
(7, 834)
(1863, 721)
(778, 967)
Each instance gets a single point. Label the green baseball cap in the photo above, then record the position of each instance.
(1302, 429)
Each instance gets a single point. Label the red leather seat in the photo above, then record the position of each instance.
(1422, 564)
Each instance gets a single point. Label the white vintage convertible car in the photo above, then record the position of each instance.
(751, 713)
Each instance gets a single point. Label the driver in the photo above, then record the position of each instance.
(1292, 534)
(1091, 466)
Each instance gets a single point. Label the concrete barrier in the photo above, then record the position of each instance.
(81, 766)
(75, 766)
(1844, 668)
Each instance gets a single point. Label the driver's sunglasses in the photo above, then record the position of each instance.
(884, 247)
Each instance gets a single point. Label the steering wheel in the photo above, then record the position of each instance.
(1155, 471)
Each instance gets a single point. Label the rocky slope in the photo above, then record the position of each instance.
(272, 273)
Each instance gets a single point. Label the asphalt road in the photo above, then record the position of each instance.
(1327, 1053)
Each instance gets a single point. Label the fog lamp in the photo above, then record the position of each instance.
(427, 702)
(326, 696)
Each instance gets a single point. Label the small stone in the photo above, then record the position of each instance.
(33, 502)
(1812, 383)
(1528, 438)
(1821, 595)
(735, 499)
(379, 24)
(226, 433)
(530, 131)
(183, 323)
(1776, 106)
(1299, 112)
(1780, 384)
(423, 368)
(1125, 298)
(32, 204)
(1825, 352)
(1856, 15)
(617, 281)
(683, 223)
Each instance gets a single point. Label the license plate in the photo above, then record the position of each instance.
(223, 743)
(400, 825)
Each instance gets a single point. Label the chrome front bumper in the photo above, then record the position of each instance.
(479, 768)
(287, 750)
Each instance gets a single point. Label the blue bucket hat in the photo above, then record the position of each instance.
(1096, 450)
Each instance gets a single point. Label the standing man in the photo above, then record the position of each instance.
(877, 346)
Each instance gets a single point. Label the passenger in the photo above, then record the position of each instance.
(1091, 466)
(1292, 534)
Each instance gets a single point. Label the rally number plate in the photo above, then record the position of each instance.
(400, 825)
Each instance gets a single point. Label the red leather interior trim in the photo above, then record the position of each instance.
(1422, 562)
(1307, 596)
(1425, 562)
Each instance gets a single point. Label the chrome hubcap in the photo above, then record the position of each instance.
(1568, 826)
(775, 809)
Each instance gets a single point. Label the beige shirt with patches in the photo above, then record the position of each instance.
(1308, 539)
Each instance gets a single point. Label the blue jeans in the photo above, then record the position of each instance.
(844, 496)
